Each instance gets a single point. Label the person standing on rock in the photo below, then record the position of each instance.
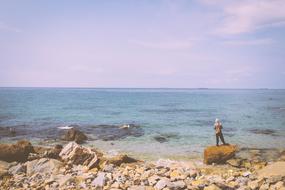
(219, 134)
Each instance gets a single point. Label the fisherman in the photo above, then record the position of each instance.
(219, 134)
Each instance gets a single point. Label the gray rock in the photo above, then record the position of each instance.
(163, 183)
(76, 154)
(19, 168)
(43, 166)
(178, 184)
(99, 181)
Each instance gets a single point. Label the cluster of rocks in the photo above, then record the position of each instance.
(77, 167)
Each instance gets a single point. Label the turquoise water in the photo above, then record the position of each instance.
(183, 117)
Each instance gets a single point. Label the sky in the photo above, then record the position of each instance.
(143, 44)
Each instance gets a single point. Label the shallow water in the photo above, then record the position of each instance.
(183, 117)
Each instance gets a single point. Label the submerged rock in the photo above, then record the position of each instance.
(16, 152)
(264, 131)
(164, 137)
(219, 154)
(77, 154)
(74, 135)
(115, 132)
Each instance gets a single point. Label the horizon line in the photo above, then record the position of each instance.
(178, 88)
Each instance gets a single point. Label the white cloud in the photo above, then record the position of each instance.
(254, 42)
(245, 16)
(167, 45)
(5, 27)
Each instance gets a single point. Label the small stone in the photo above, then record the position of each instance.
(246, 174)
(264, 186)
(99, 181)
(179, 184)
(234, 162)
(212, 187)
(162, 184)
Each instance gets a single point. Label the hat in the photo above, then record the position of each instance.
(217, 120)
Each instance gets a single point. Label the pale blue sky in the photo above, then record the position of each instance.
(183, 43)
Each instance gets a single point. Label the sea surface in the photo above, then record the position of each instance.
(147, 123)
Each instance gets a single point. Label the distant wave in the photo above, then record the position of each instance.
(65, 127)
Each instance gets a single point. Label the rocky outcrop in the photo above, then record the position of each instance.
(16, 152)
(77, 154)
(219, 154)
(74, 135)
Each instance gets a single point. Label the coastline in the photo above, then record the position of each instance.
(52, 168)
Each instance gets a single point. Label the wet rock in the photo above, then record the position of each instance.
(219, 154)
(42, 166)
(16, 152)
(77, 154)
(74, 135)
(117, 159)
(160, 139)
(275, 169)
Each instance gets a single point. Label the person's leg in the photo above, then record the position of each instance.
(217, 139)
(222, 138)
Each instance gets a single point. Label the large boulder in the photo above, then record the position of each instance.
(219, 154)
(74, 135)
(79, 155)
(16, 152)
(43, 166)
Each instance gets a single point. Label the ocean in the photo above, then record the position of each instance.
(158, 123)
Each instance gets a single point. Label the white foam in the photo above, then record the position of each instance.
(65, 127)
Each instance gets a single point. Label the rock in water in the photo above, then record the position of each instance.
(79, 155)
(75, 135)
(18, 152)
(219, 154)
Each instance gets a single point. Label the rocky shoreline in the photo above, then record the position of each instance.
(73, 166)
